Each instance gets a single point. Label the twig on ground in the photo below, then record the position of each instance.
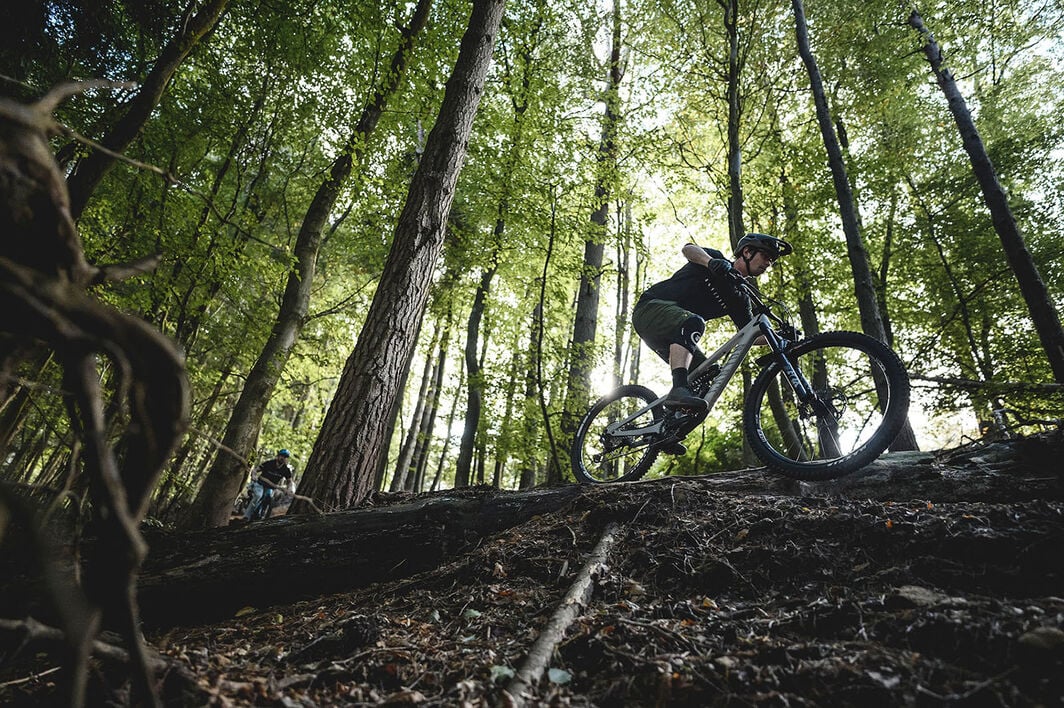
(568, 610)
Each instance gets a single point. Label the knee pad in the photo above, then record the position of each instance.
(690, 332)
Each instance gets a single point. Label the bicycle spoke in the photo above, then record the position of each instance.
(601, 454)
(859, 397)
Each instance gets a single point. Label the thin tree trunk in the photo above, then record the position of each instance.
(539, 329)
(624, 287)
(406, 452)
(339, 472)
(423, 440)
(585, 324)
(871, 321)
(1039, 303)
(864, 282)
(446, 444)
(89, 171)
(474, 379)
(735, 158)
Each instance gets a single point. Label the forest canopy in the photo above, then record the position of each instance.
(272, 147)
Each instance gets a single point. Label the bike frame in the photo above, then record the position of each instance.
(732, 354)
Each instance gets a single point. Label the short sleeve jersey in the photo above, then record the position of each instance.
(273, 471)
(697, 289)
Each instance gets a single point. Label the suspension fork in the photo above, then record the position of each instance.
(799, 384)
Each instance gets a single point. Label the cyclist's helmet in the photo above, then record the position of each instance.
(775, 247)
(283, 453)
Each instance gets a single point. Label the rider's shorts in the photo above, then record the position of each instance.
(661, 323)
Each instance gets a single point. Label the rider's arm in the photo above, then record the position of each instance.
(696, 254)
(735, 301)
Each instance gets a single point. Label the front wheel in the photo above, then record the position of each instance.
(859, 404)
(598, 455)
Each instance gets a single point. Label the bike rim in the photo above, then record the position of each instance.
(608, 458)
(853, 392)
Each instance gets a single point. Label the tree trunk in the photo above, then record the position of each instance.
(339, 472)
(864, 283)
(474, 380)
(735, 157)
(585, 324)
(871, 321)
(393, 415)
(884, 270)
(446, 444)
(423, 440)
(1039, 303)
(213, 503)
(406, 452)
(90, 170)
(538, 331)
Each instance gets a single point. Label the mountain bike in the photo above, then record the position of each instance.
(265, 506)
(819, 408)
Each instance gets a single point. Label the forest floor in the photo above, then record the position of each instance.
(706, 598)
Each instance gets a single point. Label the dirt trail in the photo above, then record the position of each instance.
(708, 597)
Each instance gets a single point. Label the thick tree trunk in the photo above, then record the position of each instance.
(90, 170)
(1039, 303)
(205, 575)
(214, 501)
(864, 282)
(192, 577)
(340, 470)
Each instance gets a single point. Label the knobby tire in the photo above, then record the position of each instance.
(619, 460)
(866, 387)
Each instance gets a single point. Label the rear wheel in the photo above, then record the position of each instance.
(860, 406)
(599, 456)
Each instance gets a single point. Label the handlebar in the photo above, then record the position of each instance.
(786, 329)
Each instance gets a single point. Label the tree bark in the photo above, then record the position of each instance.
(339, 472)
(90, 170)
(1039, 303)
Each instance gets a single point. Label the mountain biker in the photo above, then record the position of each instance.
(271, 474)
(671, 315)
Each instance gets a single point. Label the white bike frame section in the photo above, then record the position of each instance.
(731, 353)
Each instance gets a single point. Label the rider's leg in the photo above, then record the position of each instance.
(265, 505)
(672, 333)
(257, 491)
(681, 354)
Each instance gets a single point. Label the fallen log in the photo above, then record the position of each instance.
(191, 578)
